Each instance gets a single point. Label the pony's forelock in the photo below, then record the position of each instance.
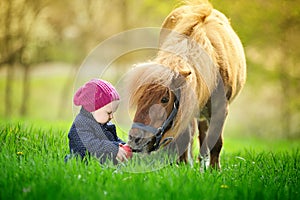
(145, 74)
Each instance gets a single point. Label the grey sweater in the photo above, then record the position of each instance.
(88, 136)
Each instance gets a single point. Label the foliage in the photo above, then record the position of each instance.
(32, 166)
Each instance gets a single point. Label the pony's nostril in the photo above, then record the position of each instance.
(130, 137)
(137, 140)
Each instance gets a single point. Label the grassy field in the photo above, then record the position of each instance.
(32, 167)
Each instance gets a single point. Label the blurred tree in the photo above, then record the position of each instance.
(7, 49)
(18, 19)
(31, 10)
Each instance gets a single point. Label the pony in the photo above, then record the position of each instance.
(198, 71)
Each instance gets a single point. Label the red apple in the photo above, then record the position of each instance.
(128, 150)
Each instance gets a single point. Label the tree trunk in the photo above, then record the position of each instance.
(8, 91)
(26, 91)
(9, 62)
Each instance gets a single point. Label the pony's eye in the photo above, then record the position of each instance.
(164, 100)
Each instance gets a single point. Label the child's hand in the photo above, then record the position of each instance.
(121, 156)
(124, 153)
(128, 150)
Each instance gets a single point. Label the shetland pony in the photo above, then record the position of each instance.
(199, 69)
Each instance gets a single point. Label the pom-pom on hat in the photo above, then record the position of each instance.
(95, 94)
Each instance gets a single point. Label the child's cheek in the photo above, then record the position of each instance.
(99, 118)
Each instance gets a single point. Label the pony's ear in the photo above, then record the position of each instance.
(185, 73)
(179, 80)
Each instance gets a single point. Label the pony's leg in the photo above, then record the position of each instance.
(203, 148)
(207, 148)
(184, 157)
(215, 154)
(216, 144)
(187, 156)
(194, 130)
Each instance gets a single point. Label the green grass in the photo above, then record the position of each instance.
(32, 167)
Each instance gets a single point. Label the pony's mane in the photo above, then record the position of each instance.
(185, 47)
(148, 74)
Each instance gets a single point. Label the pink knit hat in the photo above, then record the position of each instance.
(95, 94)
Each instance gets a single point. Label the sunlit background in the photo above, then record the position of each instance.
(43, 43)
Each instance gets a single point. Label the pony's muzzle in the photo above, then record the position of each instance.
(140, 140)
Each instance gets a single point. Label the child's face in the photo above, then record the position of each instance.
(105, 114)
